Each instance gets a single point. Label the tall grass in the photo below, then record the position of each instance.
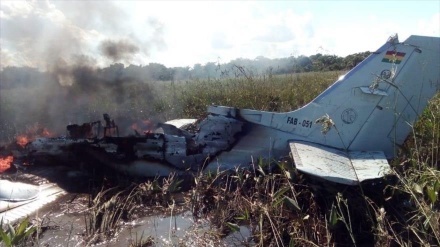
(285, 209)
(277, 93)
(281, 206)
(418, 172)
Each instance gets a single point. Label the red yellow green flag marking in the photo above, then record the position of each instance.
(393, 57)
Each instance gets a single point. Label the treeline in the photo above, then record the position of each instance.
(11, 77)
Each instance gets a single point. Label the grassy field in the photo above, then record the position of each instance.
(281, 206)
(285, 208)
(270, 93)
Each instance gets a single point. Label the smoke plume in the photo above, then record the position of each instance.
(58, 62)
(122, 50)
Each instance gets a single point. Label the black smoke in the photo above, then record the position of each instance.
(122, 50)
(71, 94)
(61, 64)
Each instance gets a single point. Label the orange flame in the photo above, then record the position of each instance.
(5, 163)
(144, 126)
(22, 140)
(31, 134)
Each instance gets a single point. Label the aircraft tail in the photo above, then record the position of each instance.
(369, 111)
(375, 105)
(373, 109)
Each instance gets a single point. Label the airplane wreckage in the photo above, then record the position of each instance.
(345, 135)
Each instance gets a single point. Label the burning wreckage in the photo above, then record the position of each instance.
(163, 149)
(345, 135)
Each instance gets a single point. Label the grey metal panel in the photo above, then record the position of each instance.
(16, 191)
(179, 123)
(13, 211)
(368, 90)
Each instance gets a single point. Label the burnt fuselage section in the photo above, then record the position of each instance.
(166, 144)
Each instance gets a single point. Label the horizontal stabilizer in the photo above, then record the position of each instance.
(338, 166)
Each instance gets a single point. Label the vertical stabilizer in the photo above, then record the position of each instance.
(375, 104)
(407, 86)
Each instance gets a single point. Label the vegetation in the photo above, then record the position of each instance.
(18, 235)
(271, 93)
(280, 206)
(13, 77)
(286, 208)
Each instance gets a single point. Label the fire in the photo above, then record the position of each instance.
(144, 126)
(22, 140)
(31, 133)
(5, 163)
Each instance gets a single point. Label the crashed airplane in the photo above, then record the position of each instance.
(345, 135)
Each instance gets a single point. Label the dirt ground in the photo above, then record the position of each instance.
(63, 221)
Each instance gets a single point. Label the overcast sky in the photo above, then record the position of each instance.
(183, 33)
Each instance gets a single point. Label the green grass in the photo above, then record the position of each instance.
(55, 106)
(18, 235)
(281, 206)
(285, 209)
(275, 93)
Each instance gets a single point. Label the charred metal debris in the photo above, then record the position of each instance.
(181, 148)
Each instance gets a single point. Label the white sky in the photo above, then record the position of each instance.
(183, 33)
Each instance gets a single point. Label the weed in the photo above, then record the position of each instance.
(279, 205)
(284, 208)
(112, 206)
(18, 235)
(141, 241)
